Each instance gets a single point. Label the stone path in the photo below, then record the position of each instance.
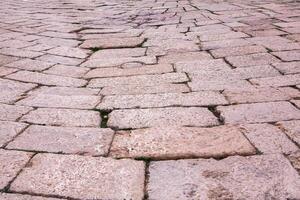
(149, 100)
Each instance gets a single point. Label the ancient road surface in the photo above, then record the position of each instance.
(149, 100)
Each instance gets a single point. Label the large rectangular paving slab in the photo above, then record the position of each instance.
(11, 162)
(162, 100)
(259, 112)
(179, 116)
(292, 129)
(82, 177)
(277, 81)
(63, 117)
(61, 101)
(181, 142)
(87, 141)
(8, 130)
(9, 196)
(254, 178)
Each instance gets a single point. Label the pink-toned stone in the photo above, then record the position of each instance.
(288, 55)
(46, 79)
(180, 142)
(61, 101)
(118, 53)
(69, 52)
(20, 53)
(60, 59)
(114, 71)
(186, 56)
(292, 129)
(63, 117)
(252, 60)
(7, 70)
(8, 130)
(158, 117)
(9, 196)
(65, 91)
(237, 51)
(30, 64)
(11, 162)
(255, 177)
(144, 89)
(7, 59)
(269, 139)
(199, 85)
(12, 112)
(106, 43)
(258, 112)
(277, 81)
(82, 177)
(64, 70)
(86, 141)
(288, 67)
(210, 45)
(162, 100)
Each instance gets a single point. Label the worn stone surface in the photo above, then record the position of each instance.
(255, 177)
(11, 163)
(9, 196)
(8, 130)
(72, 176)
(113, 42)
(252, 59)
(141, 118)
(181, 142)
(258, 112)
(292, 129)
(63, 117)
(85, 141)
(12, 113)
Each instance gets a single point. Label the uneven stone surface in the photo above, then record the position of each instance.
(258, 112)
(255, 177)
(181, 142)
(150, 80)
(11, 163)
(72, 176)
(141, 118)
(86, 141)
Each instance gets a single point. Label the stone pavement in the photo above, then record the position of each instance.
(149, 100)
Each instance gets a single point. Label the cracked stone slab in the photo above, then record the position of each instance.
(8, 130)
(11, 162)
(63, 117)
(179, 116)
(83, 141)
(207, 98)
(258, 112)
(72, 176)
(181, 142)
(254, 177)
(61, 101)
(106, 43)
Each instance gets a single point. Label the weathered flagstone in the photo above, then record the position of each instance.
(12, 113)
(255, 177)
(106, 43)
(9, 196)
(292, 129)
(180, 142)
(72, 176)
(9, 130)
(86, 141)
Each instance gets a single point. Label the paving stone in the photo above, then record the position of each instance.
(20, 53)
(113, 71)
(141, 89)
(237, 51)
(295, 160)
(8, 130)
(288, 55)
(269, 139)
(7, 59)
(254, 95)
(162, 100)
(229, 35)
(296, 103)
(66, 91)
(63, 117)
(11, 163)
(60, 60)
(113, 43)
(116, 61)
(7, 70)
(180, 142)
(252, 60)
(202, 65)
(15, 86)
(199, 85)
(142, 118)
(72, 176)
(288, 67)
(85, 141)
(145, 80)
(224, 43)
(258, 112)
(64, 70)
(275, 43)
(292, 129)
(9, 196)
(12, 112)
(277, 81)
(255, 177)
(30, 64)
(46, 79)
(69, 52)
(187, 56)
(173, 45)
(61, 101)
(118, 53)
